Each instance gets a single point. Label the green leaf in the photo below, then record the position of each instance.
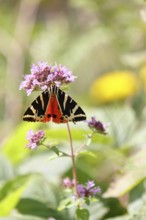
(87, 200)
(11, 193)
(55, 150)
(58, 152)
(82, 214)
(66, 203)
(33, 207)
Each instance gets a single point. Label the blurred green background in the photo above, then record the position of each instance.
(103, 43)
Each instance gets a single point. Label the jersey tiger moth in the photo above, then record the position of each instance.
(54, 104)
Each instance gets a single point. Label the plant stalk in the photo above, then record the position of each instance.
(73, 159)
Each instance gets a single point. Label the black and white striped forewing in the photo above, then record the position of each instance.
(70, 109)
(37, 109)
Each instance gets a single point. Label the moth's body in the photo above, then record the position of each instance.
(54, 104)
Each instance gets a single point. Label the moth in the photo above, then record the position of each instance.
(54, 104)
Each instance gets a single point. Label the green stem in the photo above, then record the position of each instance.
(73, 159)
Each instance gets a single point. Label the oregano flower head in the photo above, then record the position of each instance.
(88, 190)
(68, 183)
(97, 126)
(43, 75)
(34, 139)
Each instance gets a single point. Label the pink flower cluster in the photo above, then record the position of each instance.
(87, 190)
(68, 183)
(34, 139)
(43, 75)
(97, 126)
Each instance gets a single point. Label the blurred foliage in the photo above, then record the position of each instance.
(91, 38)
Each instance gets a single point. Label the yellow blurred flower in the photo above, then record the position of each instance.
(143, 76)
(114, 86)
